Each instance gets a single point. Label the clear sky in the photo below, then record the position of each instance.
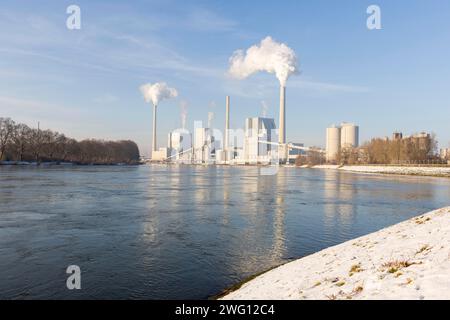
(85, 82)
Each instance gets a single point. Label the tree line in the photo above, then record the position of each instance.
(416, 149)
(19, 142)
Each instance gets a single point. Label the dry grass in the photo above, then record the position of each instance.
(355, 269)
(421, 220)
(340, 283)
(423, 249)
(394, 266)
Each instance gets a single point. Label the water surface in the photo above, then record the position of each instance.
(183, 232)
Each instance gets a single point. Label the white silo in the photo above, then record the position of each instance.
(333, 142)
(349, 135)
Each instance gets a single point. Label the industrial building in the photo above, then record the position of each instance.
(204, 146)
(445, 153)
(339, 137)
(259, 130)
(179, 143)
(349, 135)
(296, 152)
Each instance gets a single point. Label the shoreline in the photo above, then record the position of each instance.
(426, 171)
(409, 260)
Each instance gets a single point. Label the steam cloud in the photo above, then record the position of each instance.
(183, 113)
(157, 92)
(269, 56)
(210, 119)
(264, 108)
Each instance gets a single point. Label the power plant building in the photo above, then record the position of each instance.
(349, 135)
(257, 131)
(204, 145)
(333, 143)
(180, 145)
(339, 137)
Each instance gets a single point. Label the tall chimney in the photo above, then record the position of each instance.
(282, 127)
(227, 123)
(282, 151)
(154, 147)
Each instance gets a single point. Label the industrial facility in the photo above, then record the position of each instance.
(341, 137)
(259, 142)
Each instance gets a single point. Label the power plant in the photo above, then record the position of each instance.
(268, 56)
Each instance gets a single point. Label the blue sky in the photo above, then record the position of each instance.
(85, 82)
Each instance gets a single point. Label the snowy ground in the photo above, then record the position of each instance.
(404, 170)
(410, 260)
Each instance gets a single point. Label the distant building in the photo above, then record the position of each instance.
(333, 143)
(294, 153)
(160, 155)
(256, 131)
(338, 137)
(349, 135)
(397, 136)
(179, 143)
(445, 154)
(204, 145)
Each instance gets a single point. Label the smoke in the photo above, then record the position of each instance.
(210, 119)
(183, 113)
(269, 56)
(264, 108)
(157, 92)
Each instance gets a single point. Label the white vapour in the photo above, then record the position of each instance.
(210, 119)
(264, 108)
(183, 113)
(269, 56)
(157, 92)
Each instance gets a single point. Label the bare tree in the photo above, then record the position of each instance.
(6, 131)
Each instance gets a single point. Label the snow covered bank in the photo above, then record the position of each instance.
(410, 260)
(403, 170)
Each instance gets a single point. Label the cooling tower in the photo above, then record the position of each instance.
(349, 135)
(333, 142)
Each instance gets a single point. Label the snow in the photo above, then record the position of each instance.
(410, 260)
(428, 171)
(402, 170)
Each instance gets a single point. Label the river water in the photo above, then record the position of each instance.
(183, 232)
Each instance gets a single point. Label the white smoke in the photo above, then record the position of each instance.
(269, 56)
(157, 92)
(183, 113)
(264, 108)
(210, 119)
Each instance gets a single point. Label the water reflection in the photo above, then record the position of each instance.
(182, 231)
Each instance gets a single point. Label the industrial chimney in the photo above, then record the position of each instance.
(282, 127)
(227, 124)
(154, 147)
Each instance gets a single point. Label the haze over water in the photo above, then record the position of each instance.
(183, 232)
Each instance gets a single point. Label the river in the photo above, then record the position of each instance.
(183, 232)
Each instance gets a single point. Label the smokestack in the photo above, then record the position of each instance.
(154, 131)
(282, 127)
(227, 123)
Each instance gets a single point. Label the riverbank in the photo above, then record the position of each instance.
(44, 164)
(410, 260)
(432, 171)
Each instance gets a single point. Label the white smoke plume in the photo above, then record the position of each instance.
(210, 119)
(264, 108)
(183, 113)
(269, 56)
(157, 92)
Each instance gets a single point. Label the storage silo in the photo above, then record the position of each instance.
(349, 135)
(333, 142)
